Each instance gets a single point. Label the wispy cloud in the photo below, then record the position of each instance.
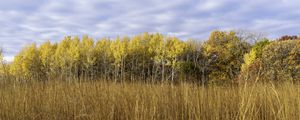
(39, 20)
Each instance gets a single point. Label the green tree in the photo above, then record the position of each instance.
(195, 65)
(294, 62)
(277, 63)
(251, 68)
(225, 52)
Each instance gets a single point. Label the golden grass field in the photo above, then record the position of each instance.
(140, 101)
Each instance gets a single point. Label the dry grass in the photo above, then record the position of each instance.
(103, 100)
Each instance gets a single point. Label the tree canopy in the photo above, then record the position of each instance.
(224, 57)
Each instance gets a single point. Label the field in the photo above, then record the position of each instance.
(140, 101)
(149, 60)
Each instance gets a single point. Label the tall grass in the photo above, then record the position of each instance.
(138, 101)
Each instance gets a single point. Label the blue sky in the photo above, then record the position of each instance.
(27, 21)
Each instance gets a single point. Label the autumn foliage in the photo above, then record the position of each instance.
(153, 76)
(224, 58)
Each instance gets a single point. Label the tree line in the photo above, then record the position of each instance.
(226, 57)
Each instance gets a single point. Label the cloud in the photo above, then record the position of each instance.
(40, 20)
(209, 5)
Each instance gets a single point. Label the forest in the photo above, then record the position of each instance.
(231, 75)
(226, 57)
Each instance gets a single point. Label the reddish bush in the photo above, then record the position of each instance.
(287, 37)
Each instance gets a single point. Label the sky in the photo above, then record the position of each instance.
(23, 22)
